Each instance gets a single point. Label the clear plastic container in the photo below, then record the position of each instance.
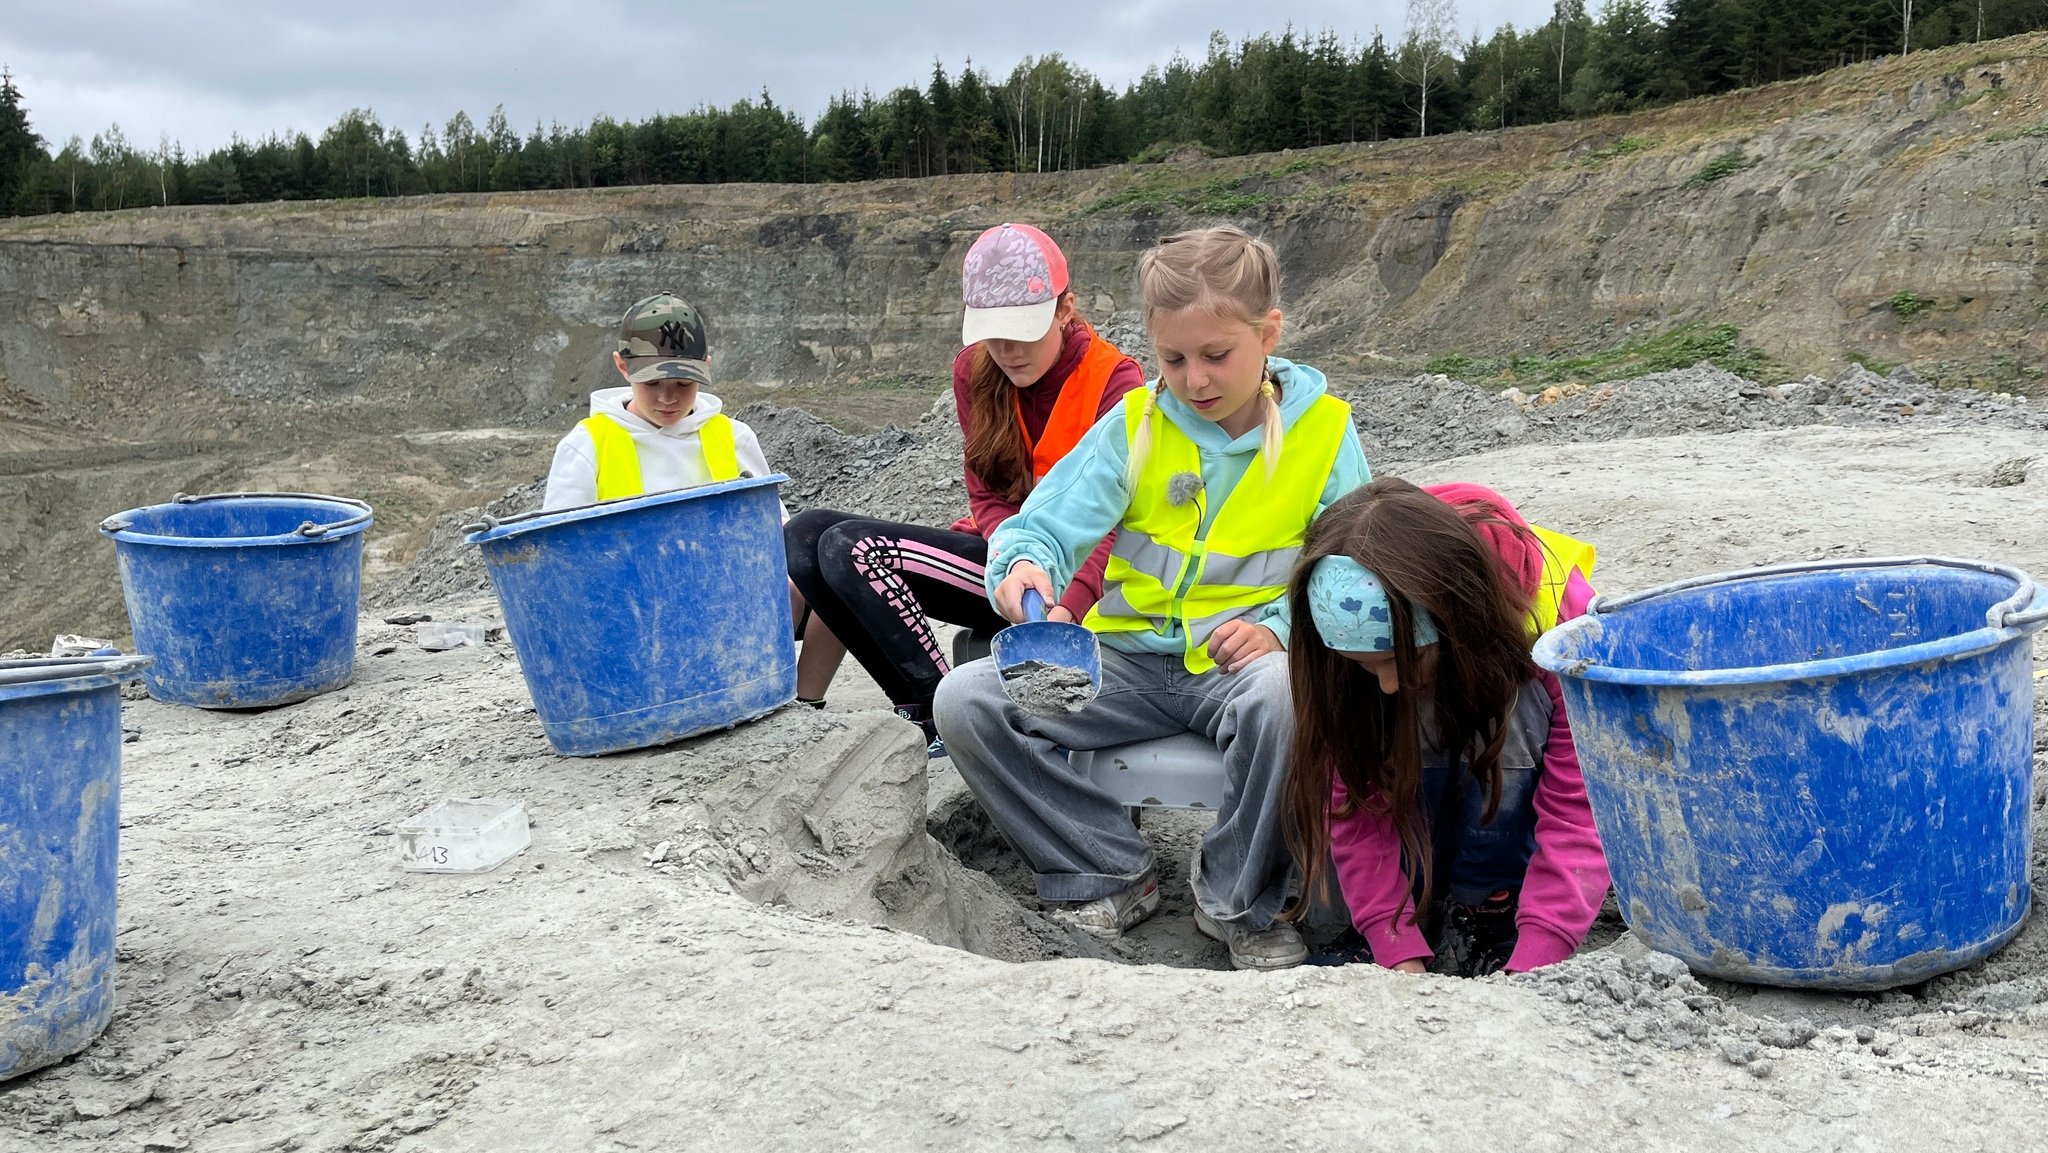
(463, 835)
(435, 636)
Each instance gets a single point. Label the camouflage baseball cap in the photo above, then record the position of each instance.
(662, 338)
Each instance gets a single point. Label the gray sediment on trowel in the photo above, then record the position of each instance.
(1048, 689)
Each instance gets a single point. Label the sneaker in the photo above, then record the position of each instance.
(1279, 947)
(1477, 939)
(921, 716)
(1108, 917)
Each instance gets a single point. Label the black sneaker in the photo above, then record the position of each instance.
(1477, 939)
(921, 716)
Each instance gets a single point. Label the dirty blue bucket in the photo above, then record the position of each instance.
(245, 599)
(60, 828)
(1815, 774)
(648, 619)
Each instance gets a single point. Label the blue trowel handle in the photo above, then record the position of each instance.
(1034, 605)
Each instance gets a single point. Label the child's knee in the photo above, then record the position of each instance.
(1265, 682)
(968, 693)
(800, 540)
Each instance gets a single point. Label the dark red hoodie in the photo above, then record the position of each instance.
(989, 508)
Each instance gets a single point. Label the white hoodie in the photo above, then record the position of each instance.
(670, 458)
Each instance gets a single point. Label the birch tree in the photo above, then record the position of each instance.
(1426, 56)
(163, 164)
(1564, 14)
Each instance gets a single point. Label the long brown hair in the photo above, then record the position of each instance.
(1427, 553)
(997, 451)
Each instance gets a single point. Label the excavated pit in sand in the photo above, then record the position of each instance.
(681, 943)
(852, 819)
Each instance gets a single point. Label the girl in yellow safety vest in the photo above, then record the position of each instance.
(1210, 478)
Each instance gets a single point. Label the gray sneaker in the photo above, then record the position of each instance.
(1279, 947)
(1108, 917)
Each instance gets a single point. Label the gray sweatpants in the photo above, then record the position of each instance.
(1078, 839)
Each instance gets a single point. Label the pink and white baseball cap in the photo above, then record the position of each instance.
(1011, 284)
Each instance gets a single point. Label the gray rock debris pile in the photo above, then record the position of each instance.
(1630, 1000)
(1649, 1000)
(824, 464)
(445, 567)
(914, 475)
(826, 812)
(1430, 418)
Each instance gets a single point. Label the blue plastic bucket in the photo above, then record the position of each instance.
(245, 599)
(649, 619)
(60, 828)
(1813, 775)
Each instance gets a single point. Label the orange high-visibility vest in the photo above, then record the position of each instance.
(1073, 414)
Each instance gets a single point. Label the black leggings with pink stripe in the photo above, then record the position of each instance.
(877, 585)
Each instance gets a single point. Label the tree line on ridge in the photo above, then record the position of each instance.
(1259, 94)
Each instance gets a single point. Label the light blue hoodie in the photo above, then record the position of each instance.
(1087, 493)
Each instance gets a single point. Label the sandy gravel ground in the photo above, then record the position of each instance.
(622, 986)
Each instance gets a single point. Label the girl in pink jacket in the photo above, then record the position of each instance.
(1433, 766)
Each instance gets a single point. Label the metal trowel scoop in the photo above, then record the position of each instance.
(1048, 667)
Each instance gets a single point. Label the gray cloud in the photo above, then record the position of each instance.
(198, 72)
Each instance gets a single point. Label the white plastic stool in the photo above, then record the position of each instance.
(1183, 771)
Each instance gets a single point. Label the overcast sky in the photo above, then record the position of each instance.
(199, 71)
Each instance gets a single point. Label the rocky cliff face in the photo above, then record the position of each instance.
(1891, 211)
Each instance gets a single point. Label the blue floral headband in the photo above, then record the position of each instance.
(1350, 608)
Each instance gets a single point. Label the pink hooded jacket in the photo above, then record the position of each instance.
(1567, 877)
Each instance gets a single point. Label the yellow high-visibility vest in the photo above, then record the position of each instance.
(1162, 568)
(618, 459)
(1561, 554)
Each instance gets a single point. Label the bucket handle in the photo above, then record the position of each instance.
(2007, 613)
(21, 672)
(308, 529)
(2015, 620)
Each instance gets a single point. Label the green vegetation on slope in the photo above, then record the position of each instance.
(1682, 347)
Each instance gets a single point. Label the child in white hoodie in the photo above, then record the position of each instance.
(660, 432)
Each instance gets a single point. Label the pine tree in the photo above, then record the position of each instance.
(21, 150)
(1701, 51)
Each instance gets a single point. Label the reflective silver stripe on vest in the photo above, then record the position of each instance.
(1114, 603)
(1200, 627)
(1148, 556)
(1265, 569)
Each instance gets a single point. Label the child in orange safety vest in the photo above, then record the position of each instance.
(1031, 381)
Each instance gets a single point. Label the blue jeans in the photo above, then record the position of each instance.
(1078, 839)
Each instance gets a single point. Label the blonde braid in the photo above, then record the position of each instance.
(1141, 446)
(1275, 433)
